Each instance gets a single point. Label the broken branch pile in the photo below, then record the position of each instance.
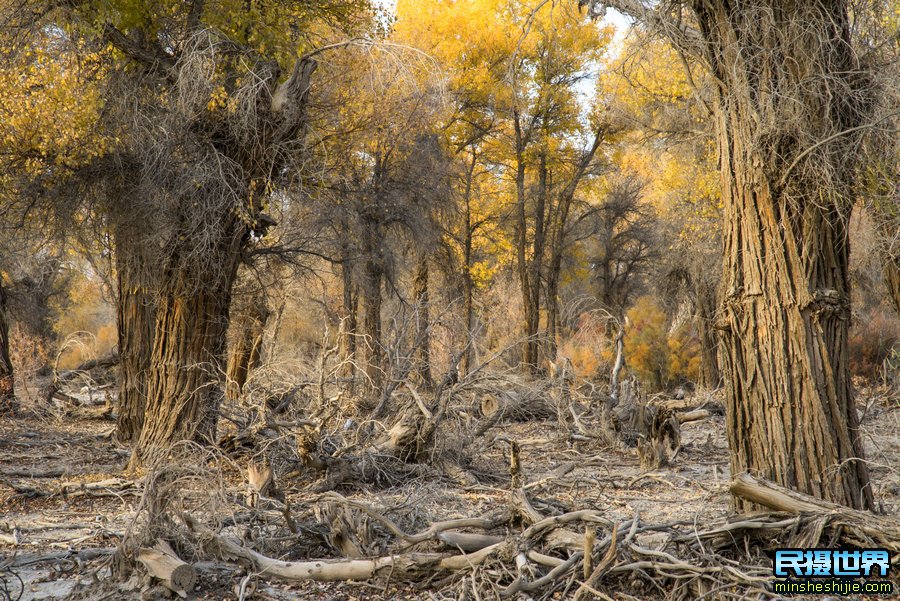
(579, 553)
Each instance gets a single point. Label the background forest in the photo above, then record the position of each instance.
(310, 247)
(500, 187)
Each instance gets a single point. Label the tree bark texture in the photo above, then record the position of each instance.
(135, 319)
(187, 362)
(788, 81)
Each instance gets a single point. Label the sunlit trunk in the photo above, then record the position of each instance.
(790, 79)
(184, 383)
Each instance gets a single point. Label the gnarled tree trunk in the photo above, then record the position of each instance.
(184, 380)
(790, 91)
(135, 319)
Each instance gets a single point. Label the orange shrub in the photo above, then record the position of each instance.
(657, 356)
(589, 347)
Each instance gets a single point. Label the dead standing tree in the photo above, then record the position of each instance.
(792, 104)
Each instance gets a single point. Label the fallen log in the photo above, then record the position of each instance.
(468, 542)
(35, 473)
(860, 528)
(516, 405)
(694, 416)
(164, 564)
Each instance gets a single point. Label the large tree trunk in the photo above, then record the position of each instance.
(184, 380)
(135, 319)
(30, 300)
(423, 319)
(789, 84)
(8, 403)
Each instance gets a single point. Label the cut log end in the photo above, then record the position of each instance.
(183, 578)
(163, 564)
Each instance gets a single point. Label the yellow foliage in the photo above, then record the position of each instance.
(495, 55)
(217, 99)
(49, 104)
(657, 356)
(589, 348)
(650, 86)
(86, 324)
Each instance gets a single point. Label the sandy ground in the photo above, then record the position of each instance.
(49, 526)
